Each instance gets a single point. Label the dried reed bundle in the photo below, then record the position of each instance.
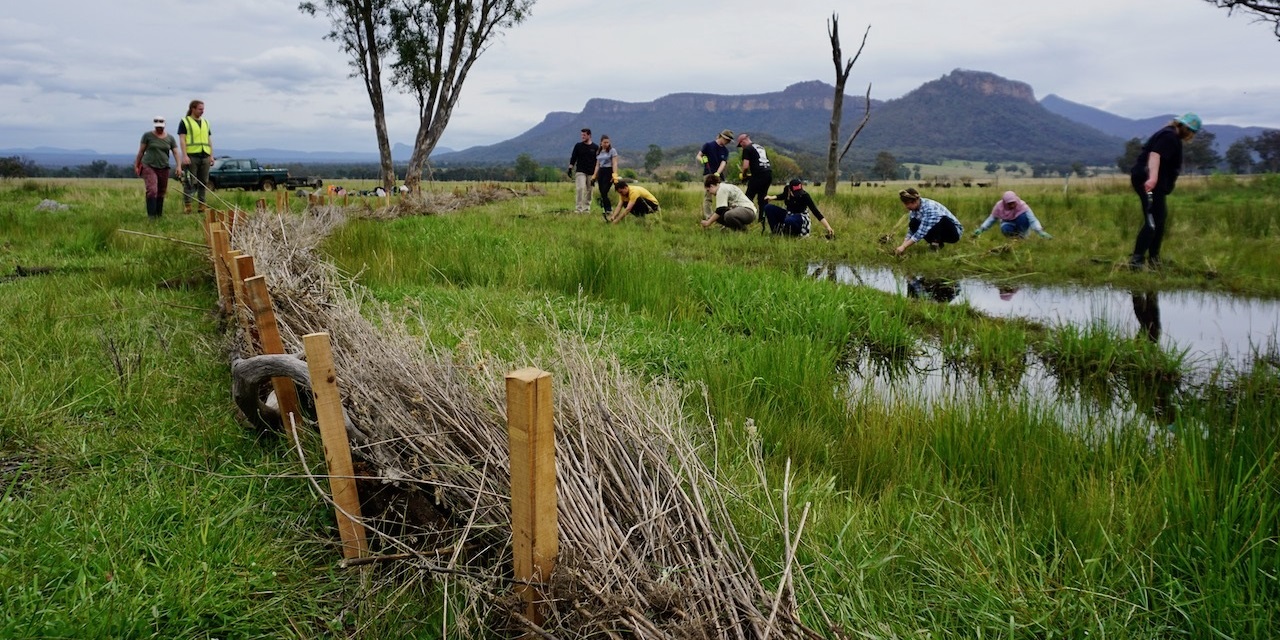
(646, 544)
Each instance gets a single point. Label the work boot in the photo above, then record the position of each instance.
(151, 208)
(186, 207)
(1136, 263)
(159, 207)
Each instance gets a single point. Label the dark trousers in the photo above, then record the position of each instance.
(605, 182)
(644, 207)
(944, 232)
(758, 187)
(1151, 235)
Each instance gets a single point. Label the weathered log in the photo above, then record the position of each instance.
(251, 378)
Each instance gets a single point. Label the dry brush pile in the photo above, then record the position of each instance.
(647, 547)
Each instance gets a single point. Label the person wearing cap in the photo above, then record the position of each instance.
(1153, 176)
(152, 165)
(635, 200)
(197, 154)
(732, 207)
(582, 163)
(757, 173)
(929, 221)
(793, 220)
(1015, 217)
(714, 155)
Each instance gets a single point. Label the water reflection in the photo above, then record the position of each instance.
(1209, 326)
(1153, 396)
(936, 289)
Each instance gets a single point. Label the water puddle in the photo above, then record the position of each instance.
(1210, 327)
(1213, 329)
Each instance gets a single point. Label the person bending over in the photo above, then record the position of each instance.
(635, 200)
(732, 207)
(928, 221)
(793, 220)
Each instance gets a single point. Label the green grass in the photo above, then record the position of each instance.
(137, 505)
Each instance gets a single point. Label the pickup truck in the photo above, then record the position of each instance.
(244, 173)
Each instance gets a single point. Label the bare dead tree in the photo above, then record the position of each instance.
(360, 27)
(437, 42)
(834, 153)
(1264, 10)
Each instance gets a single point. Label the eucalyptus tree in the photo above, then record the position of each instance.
(843, 67)
(429, 46)
(1264, 10)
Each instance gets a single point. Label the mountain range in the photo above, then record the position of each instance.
(965, 115)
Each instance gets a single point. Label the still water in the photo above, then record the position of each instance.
(1213, 329)
(1208, 326)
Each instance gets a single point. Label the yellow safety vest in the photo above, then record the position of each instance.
(197, 135)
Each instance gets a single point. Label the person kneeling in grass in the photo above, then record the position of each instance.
(929, 221)
(794, 219)
(732, 207)
(636, 201)
(1015, 217)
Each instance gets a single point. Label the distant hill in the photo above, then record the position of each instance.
(1126, 128)
(967, 115)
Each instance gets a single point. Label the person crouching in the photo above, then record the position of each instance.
(732, 207)
(928, 221)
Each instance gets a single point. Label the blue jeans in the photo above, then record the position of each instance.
(1016, 227)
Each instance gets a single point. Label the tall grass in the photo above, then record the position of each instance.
(978, 516)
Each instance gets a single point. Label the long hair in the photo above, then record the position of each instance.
(1184, 132)
(191, 108)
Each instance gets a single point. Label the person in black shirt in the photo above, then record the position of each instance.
(757, 173)
(1153, 176)
(582, 163)
(794, 219)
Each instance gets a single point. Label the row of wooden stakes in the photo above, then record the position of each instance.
(535, 541)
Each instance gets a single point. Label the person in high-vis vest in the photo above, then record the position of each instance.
(197, 154)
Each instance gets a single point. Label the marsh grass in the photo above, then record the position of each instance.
(977, 517)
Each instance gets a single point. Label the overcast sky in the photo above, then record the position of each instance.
(83, 74)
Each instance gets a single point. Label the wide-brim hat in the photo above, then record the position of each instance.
(727, 135)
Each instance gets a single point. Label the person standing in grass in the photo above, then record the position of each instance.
(152, 165)
(1015, 217)
(714, 155)
(928, 221)
(1153, 176)
(197, 154)
(733, 208)
(582, 163)
(794, 219)
(635, 200)
(606, 172)
(757, 173)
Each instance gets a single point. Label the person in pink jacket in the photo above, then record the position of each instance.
(1015, 218)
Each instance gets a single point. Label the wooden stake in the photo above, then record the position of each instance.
(264, 316)
(221, 274)
(282, 201)
(534, 521)
(243, 269)
(337, 450)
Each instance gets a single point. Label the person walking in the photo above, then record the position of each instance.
(1153, 177)
(793, 220)
(152, 165)
(636, 201)
(582, 163)
(733, 209)
(606, 172)
(1015, 217)
(756, 172)
(929, 221)
(197, 154)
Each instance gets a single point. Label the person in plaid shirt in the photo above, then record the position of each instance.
(929, 221)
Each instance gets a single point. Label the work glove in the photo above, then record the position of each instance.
(614, 180)
(831, 235)
(1044, 234)
(977, 233)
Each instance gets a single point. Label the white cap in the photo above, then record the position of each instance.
(158, 121)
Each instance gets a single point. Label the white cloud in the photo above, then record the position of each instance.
(93, 74)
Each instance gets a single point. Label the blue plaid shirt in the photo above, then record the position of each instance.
(929, 213)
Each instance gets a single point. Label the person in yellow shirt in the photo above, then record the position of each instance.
(636, 201)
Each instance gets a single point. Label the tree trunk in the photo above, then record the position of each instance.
(843, 67)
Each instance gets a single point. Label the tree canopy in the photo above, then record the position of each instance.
(1264, 10)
